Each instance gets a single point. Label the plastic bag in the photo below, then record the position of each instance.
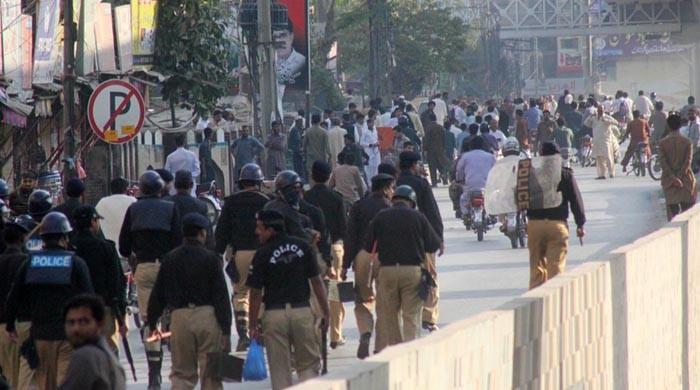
(254, 368)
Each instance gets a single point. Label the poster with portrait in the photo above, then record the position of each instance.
(292, 56)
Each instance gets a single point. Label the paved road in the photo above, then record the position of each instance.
(477, 276)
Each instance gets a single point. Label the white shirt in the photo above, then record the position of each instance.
(113, 209)
(336, 142)
(644, 105)
(500, 137)
(440, 110)
(370, 137)
(384, 118)
(460, 115)
(183, 159)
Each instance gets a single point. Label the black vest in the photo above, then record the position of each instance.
(151, 214)
(50, 267)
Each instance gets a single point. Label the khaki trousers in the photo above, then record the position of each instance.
(287, 329)
(430, 305)
(337, 310)
(397, 295)
(364, 291)
(195, 333)
(26, 376)
(548, 243)
(14, 367)
(605, 164)
(145, 279)
(241, 292)
(54, 357)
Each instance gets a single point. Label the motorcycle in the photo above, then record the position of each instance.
(212, 197)
(474, 214)
(515, 228)
(654, 165)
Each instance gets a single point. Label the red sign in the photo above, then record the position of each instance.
(116, 111)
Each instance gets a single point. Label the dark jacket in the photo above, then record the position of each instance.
(191, 274)
(236, 226)
(571, 198)
(426, 200)
(93, 366)
(106, 271)
(403, 236)
(151, 228)
(319, 224)
(333, 207)
(45, 289)
(10, 262)
(19, 201)
(361, 215)
(186, 204)
(296, 224)
(68, 207)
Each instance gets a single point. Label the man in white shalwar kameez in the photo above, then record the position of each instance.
(604, 142)
(370, 142)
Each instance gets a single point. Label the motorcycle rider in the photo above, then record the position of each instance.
(151, 229)
(473, 169)
(236, 228)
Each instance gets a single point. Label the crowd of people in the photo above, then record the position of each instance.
(339, 203)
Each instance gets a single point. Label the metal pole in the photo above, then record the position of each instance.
(266, 54)
(68, 90)
(537, 69)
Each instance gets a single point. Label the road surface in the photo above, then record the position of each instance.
(477, 276)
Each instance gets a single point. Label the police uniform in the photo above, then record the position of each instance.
(403, 236)
(282, 269)
(236, 227)
(191, 284)
(151, 229)
(106, 271)
(10, 262)
(355, 256)
(427, 205)
(333, 207)
(45, 283)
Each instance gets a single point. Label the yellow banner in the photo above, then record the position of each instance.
(143, 31)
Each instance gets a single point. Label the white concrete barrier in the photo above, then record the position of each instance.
(631, 321)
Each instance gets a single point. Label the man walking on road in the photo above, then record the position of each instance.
(181, 159)
(363, 265)
(677, 179)
(426, 204)
(191, 284)
(316, 145)
(285, 268)
(276, 146)
(295, 145)
(336, 141)
(604, 137)
(113, 208)
(236, 228)
(434, 144)
(402, 237)
(547, 231)
(245, 151)
(151, 229)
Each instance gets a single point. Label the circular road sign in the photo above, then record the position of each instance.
(116, 111)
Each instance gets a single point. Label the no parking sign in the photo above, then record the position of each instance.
(116, 111)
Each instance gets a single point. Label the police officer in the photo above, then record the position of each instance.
(425, 201)
(288, 188)
(355, 256)
(45, 283)
(18, 375)
(151, 229)
(191, 284)
(402, 237)
(285, 268)
(333, 207)
(236, 228)
(185, 202)
(39, 204)
(105, 268)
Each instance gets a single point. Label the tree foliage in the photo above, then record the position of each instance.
(425, 39)
(193, 48)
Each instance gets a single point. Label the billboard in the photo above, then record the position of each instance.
(46, 34)
(569, 58)
(143, 31)
(292, 55)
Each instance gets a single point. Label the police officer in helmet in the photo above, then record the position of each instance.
(39, 204)
(44, 283)
(236, 229)
(288, 187)
(151, 229)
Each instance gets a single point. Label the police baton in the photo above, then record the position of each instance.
(127, 348)
(324, 349)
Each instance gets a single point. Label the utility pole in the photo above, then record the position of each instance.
(68, 90)
(266, 55)
(378, 75)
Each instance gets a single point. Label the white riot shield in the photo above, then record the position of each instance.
(500, 186)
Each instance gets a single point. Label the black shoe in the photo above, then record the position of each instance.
(336, 344)
(430, 327)
(363, 349)
(600, 178)
(243, 344)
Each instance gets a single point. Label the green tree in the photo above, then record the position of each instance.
(194, 50)
(425, 40)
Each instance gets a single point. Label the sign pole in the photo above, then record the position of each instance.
(69, 170)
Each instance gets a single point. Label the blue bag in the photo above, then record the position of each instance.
(254, 368)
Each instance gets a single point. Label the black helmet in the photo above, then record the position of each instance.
(150, 183)
(23, 222)
(55, 223)
(251, 172)
(286, 179)
(4, 189)
(405, 192)
(40, 203)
